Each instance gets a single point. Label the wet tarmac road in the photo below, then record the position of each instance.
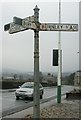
(11, 105)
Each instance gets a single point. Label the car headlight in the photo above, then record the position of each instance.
(29, 91)
(17, 91)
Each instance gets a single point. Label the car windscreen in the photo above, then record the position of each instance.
(27, 86)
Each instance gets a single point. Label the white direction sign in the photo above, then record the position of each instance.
(58, 27)
(14, 28)
(28, 25)
(29, 19)
(19, 24)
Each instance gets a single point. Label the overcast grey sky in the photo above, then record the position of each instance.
(17, 49)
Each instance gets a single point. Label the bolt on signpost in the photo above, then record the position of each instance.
(32, 22)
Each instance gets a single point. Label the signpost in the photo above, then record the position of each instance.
(32, 22)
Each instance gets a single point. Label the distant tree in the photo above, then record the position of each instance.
(40, 76)
(70, 79)
(52, 75)
(20, 77)
(49, 74)
(15, 76)
(2, 78)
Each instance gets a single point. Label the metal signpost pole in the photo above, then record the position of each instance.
(59, 60)
(36, 107)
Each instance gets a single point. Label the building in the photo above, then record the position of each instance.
(77, 78)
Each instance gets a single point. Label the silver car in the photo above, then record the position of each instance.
(27, 90)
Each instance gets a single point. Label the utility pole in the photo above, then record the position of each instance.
(59, 60)
(36, 108)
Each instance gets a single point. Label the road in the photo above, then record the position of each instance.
(11, 105)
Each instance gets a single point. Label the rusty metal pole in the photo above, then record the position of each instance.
(36, 107)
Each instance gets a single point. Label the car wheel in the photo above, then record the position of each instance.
(41, 96)
(17, 97)
(31, 98)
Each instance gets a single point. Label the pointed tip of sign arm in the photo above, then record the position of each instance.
(7, 27)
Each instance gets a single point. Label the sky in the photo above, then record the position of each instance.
(16, 50)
